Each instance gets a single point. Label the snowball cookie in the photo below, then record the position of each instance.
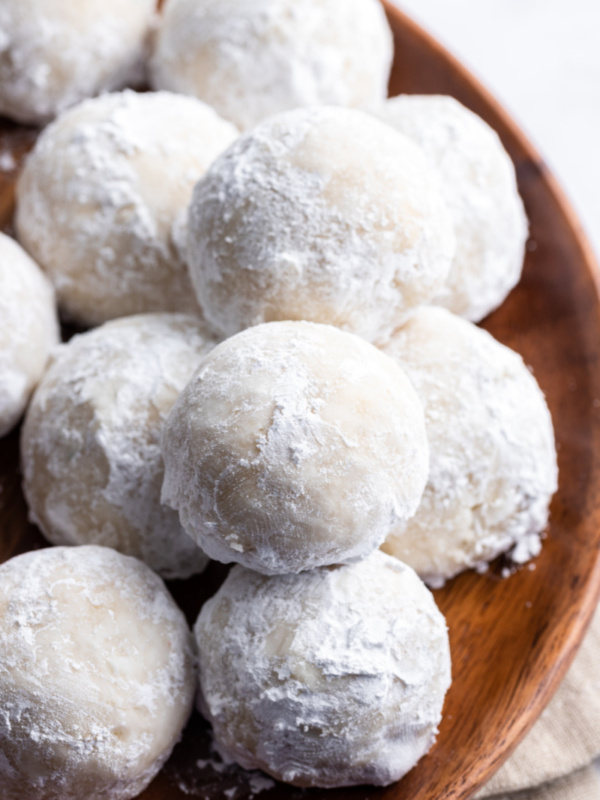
(294, 445)
(480, 188)
(54, 53)
(330, 678)
(28, 329)
(97, 675)
(324, 214)
(254, 58)
(100, 196)
(492, 457)
(90, 450)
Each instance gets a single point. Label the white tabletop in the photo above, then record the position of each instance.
(541, 58)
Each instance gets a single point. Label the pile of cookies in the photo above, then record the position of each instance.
(285, 269)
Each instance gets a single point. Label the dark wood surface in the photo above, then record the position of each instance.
(513, 639)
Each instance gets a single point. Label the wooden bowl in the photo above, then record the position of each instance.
(512, 640)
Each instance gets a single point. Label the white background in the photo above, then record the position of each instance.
(541, 58)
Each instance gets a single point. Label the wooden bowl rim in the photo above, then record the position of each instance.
(580, 624)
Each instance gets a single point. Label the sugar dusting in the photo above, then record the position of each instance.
(493, 467)
(209, 776)
(251, 60)
(100, 196)
(295, 445)
(479, 185)
(91, 453)
(311, 676)
(321, 214)
(82, 713)
(28, 329)
(53, 55)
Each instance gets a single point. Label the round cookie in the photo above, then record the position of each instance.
(97, 675)
(333, 677)
(251, 59)
(54, 53)
(324, 214)
(493, 464)
(480, 188)
(90, 448)
(100, 201)
(28, 331)
(293, 446)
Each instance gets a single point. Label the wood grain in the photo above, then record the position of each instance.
(512, 640)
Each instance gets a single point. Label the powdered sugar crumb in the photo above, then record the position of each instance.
(8, 163)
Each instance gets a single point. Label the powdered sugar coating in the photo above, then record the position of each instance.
(294, 445)
(90, 450)
(493, 464)
(28, 329)
(324, 214)
(333, 677)
(479, 185)
(251, 59)
(54, 53)
(100, 197)
(97, 675)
